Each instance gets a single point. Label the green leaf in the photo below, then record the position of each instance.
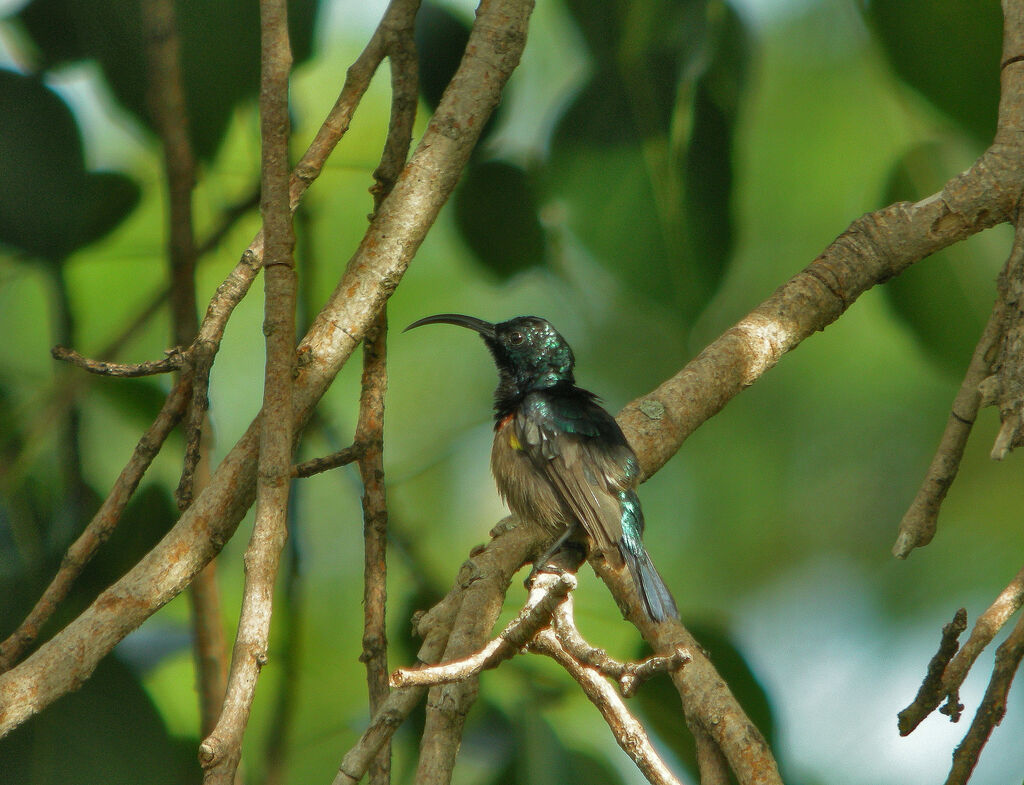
(944, 300)
(441, 39)
(220, 50)
(949, 51)
(708, 173)
(641, 159)
(49, 205)
(108, 198)
(496, 212)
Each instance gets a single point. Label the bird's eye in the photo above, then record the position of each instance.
(516, 338)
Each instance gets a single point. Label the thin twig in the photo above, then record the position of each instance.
(705, 696)
(628, 675)
(209, 645)
(541, 604)
(43, 410)
(932, 690)
(921, 520)
(166, 101)
(628, 731)
(317, 465)
(992, 708)
(99, 528)
(201, 356)
(276, 748)
(985, 629)
(174, 361)
(221, 751)
(237, 284)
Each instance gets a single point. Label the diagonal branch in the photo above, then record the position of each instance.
(921, 520)
(99, 529)
(955, 668)
(628, 731)
(992, 708)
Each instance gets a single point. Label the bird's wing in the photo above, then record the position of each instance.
(583, 454)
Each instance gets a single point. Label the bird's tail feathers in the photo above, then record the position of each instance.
(656, 597)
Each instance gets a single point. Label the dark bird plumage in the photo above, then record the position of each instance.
(558, 458)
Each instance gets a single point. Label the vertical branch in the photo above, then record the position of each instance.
(370, 428)
(166, 99)
(221, 751)
(209, 644)
(370, 435)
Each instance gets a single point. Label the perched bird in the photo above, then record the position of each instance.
(559, 459)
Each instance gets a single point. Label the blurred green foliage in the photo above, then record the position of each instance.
(656, 170)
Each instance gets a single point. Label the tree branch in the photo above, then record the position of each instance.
(628, 731)
(221, 751)
(956, 668)
(540, 605)
(174, 361)
(401, 50)
(318, 465)
(932, 691)
(920, 521)
(370, 435)
(992, 709)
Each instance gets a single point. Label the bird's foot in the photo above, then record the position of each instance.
(546, 563)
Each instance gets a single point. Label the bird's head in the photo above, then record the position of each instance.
(528, 351)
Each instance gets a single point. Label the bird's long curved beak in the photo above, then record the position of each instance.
(486, 329)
